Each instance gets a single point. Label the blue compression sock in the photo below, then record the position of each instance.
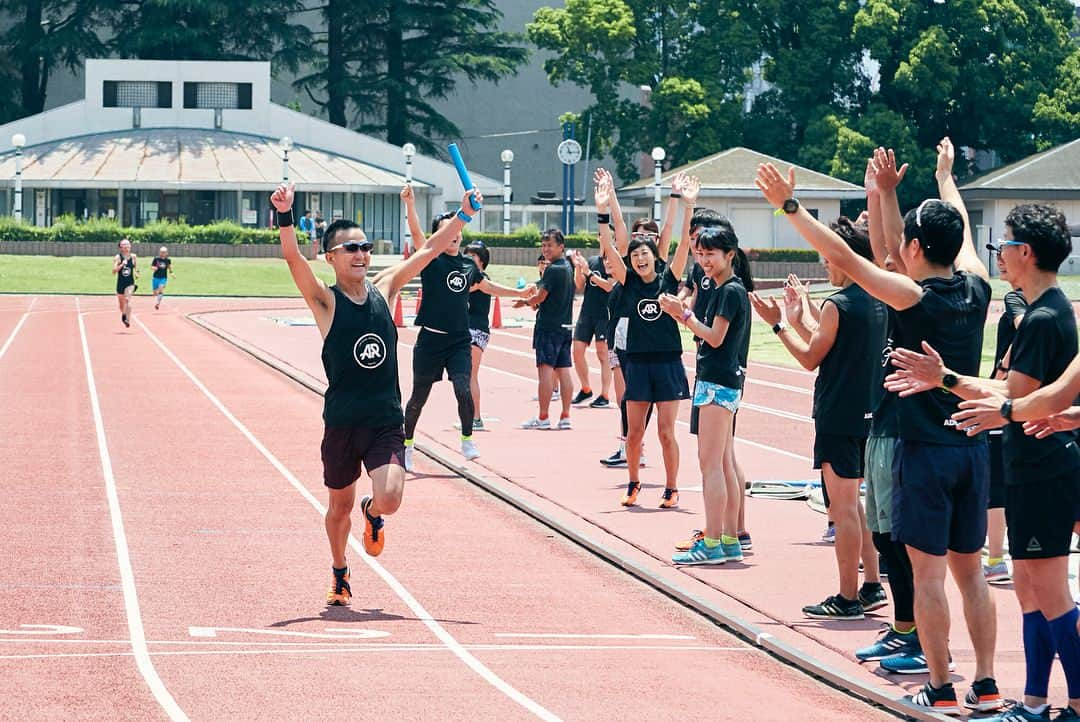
(1038, 653)
(1067, 641)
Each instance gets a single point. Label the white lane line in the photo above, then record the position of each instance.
(441, 648)
(738, 439)
(421, 613)
(127, 575)
(541, 635)
(15, 331)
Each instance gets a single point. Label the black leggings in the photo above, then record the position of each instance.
(420, 393)
(901, 579)
(625, 420)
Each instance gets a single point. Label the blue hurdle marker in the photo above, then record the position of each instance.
(463, 172)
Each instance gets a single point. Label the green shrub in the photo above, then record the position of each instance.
(68, 229)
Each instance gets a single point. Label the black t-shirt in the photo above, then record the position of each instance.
(1044, 346)
(161, 266)
(1015, 303)
(359, 355)
(650, 331)
(446, 282)
(884, 422)
(480, 309)
(594, 303)
(844, 393)
(703, 286)
(557, 309)
(725, 364)
(615, 311)
(950, 317)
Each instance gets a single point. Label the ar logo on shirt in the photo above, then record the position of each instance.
(706, 283)
(369, 351)
(457, 281)
(649, 309)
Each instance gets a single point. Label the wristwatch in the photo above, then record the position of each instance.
(778, 327)
(791, 205)
(949, 380)
(1006, 410)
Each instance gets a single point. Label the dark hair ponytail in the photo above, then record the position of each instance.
(741, 268)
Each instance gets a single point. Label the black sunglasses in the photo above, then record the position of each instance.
(353, 246)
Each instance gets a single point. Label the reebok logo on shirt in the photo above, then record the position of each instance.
(649, 309)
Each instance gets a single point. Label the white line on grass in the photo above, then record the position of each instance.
(421, 613)
(127, 575)
(19, 325)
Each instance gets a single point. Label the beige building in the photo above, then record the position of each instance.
(727, 185)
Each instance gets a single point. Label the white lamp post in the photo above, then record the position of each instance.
(658, 155)
(286, 146)
(18, 140)
(507, 157)
(408, 150)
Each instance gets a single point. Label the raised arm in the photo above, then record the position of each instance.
(622, 237)
(691, 186)
(874, 215)
(968, 258)
(664, 244)
(316, 294)
(603, 194)
(809, 353)
(393, 279)
(408, 198)
(887, 177)
(896, 290)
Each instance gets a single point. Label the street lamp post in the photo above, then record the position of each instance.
(286, 146)
(658, 155)
(408, 150)
(18, 140)
(507, 157)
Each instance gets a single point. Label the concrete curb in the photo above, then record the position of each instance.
(519, 499)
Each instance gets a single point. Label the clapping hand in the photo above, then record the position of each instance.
(767, 309)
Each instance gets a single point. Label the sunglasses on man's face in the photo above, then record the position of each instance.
(353, 246)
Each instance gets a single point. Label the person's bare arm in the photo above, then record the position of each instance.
(810, 353)
(968, 258)
(874, 215)
(408, 199)
(888, 177)
(622, 236)
(497, 289)
(691, 186)
(604, 194)
(664, 243)
(894, 289)
(118, 261)
(713, 335)
(318, 297)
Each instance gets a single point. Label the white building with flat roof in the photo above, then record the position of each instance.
(201, 140)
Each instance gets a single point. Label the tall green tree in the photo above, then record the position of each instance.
(390, 60)
(209, 30)
(44, 35)
(692, 55)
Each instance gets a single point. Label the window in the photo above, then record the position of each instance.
(136, 94)
(208, 96)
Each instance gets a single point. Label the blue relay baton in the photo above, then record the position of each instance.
(463, 172)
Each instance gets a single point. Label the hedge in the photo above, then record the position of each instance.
(529, 237)
(68, 229)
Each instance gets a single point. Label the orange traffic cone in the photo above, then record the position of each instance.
(399, 316)
(496, 318)
(419, 298)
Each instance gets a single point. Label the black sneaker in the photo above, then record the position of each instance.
(615, 461)
(124, 318)
(939, 699)
(581, 397)
(600, 402)
(872, 596)
(835, 607)
(984, 696)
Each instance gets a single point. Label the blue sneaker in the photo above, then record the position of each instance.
(699, 553)
(909, 663)
(1017, 712)
(733, 551)
(890, 643)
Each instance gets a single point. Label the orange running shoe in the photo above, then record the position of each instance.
(695, 535)
(670, 499)
(340, 593)
(632, 489)
(374, 536)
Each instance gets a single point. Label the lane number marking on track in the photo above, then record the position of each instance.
(328, 633)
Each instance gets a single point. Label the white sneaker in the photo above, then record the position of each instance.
(409, 450)
(564, 424)
(469, 450)
(534, 423)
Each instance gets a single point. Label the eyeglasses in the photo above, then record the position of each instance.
(353, 246)
(1001, 243)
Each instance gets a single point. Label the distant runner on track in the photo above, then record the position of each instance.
(362, 404)
(124, 270)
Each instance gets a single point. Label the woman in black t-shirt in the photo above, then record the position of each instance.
(723, 330)
(653, 370)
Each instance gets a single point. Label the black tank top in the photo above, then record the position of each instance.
(126, 275)
(359, 356)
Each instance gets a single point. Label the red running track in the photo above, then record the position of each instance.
(163, 499)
